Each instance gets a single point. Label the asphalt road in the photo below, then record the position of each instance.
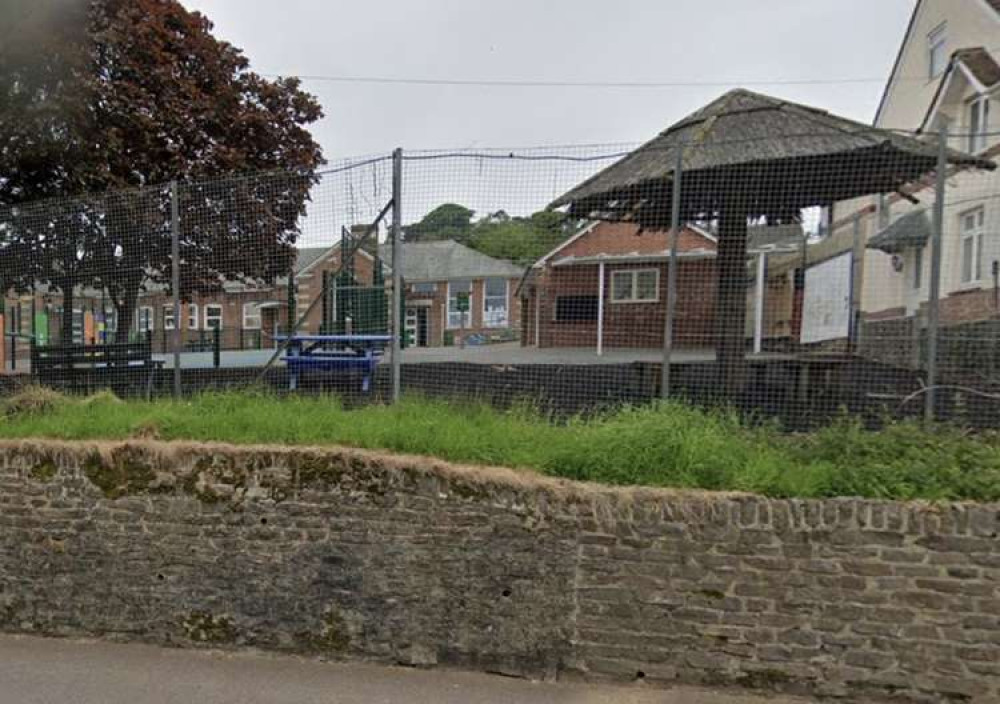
(55, 671)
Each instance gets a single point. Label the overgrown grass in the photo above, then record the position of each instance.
(665, 444)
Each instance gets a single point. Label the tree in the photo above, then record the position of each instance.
(449, 221)
(119, 97)
(519, 239)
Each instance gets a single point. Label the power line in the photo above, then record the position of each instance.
(517, 83)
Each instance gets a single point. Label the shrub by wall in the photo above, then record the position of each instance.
(347, 553)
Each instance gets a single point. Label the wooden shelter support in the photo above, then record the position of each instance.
(731, 299)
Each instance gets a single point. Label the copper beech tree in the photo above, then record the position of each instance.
(103, 103)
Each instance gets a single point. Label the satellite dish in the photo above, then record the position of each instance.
(897, 263)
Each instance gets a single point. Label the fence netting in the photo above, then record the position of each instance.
(576, 278)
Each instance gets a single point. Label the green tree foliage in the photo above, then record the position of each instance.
(449, 221)
(518, 239)
(105, 95)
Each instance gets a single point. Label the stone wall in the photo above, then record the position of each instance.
(352, 554)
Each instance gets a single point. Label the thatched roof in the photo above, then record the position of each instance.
(911, 230)
(774, 156)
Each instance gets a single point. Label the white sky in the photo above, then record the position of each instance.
(725, 42)
(759, 44)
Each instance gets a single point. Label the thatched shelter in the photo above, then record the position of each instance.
(748, 157)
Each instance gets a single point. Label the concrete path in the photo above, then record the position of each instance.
(55, 671)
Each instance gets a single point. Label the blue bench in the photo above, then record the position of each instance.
(334, 353)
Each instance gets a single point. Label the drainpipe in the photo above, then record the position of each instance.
(600, 309)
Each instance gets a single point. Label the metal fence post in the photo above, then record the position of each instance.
(397, 269)
(175, 272)
(935, 289)
(675, 227)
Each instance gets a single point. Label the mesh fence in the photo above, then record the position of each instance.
(791, 275)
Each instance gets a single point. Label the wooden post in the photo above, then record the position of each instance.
(731, 300)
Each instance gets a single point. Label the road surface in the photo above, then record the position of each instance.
(55, 671)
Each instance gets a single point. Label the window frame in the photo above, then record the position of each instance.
(145, 319)
(252, 305)
(978, 109)
(883, 208)
(634, 285)
(506, 302)
(193, 317)
(462, 323)
(976, 236)
(205, 315)
(937, 38)
(168, 316)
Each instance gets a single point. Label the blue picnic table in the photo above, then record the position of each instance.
(333, 353)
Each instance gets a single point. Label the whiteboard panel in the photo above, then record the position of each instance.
(826, 308)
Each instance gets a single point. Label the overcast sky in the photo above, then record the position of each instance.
(767, 45)
(722, 42)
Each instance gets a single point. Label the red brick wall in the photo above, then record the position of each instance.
(625, 238)
(636, 325)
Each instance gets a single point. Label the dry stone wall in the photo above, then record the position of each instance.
(346, 553)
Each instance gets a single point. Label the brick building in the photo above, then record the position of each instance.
(438, 274)
(249, 317)
(605, 287)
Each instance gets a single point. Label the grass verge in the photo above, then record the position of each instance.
(664, 444)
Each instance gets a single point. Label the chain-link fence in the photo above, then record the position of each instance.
(795, 274)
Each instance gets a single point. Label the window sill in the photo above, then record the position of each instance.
(969, 286)
(631, 301)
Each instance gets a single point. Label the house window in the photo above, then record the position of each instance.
(884, 208)
(456, 290)
(145, 314)
(972, 245)
(576, 309)
(425, 287)
(168, 317)
(213, 316)
(495, 303)
(251, 316)
(936, 57)
(979, 119)
(918, 267)
(637, 286)
(192, 316)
